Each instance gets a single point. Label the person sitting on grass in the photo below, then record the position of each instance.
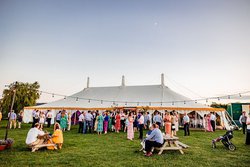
(155, 139)
(57, 136)
(36, 137)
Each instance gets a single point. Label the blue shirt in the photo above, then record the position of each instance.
(157, 118)
(12, 115)
(156, 135)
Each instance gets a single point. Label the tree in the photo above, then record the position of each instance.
(26, 95)
(217, 105)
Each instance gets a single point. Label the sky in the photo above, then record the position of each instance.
(202, 46)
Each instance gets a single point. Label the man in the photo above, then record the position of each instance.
(186, 121)
(155, 139)
(89, 121)
(122, 120)
(58, 117)
(141, 124)
(12, 118)
(243, 120)
(49, 116)
(81, 119)
(35, 137)
(248, 130)
(157, 119)
(212, 121)
(147, 120)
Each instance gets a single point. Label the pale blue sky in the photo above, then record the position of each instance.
(203, 45)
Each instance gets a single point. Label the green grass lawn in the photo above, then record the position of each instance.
(114, 150)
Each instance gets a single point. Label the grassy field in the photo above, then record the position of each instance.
(114, 150)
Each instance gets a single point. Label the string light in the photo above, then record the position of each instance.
(64, 98)
(150, 103)
(113, 103)
(77, 99)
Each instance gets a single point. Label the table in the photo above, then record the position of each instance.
(171, 143)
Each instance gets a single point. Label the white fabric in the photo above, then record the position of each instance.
(32, 135)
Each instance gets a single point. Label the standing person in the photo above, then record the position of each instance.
(20, 119)
(12, 118)
(94, 119)
(106, 122)
(243, 120)
(155, 139)
(173, 122)
(117, 122)
(33, 116)
(48, 118)
(58, 117)
(37, 115)
(122, 121)
(100, 119)
(147, 120)
(130, 131)
(212, 121)
(141, 125)
(110, 122)
(135, 123)
(248, 130)
(176, 122)
(126, 123)
(205, 122)
(69, 121)
(41, 119)
(186, 121)
(157, 119)
(167, 120)
(80, 121)
(209, 126)
(89, 121)
(64, 121)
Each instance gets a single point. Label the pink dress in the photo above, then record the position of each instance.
(209, 126)
(167, 120)
(130, 132)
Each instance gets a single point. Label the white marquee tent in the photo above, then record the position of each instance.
(152, 97)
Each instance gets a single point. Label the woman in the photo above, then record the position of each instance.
(205, 122)
(106, 122)
(20, 119)
(64, 121)
(99, 121)
(41, 119)
(57, 136)
(135, 123)
(176, 122)
(167, 120)
(110, 122)
(69, 121)
(209, 126)
(248, 130)
(117, 122)
(173, 122)
(130, 131)
(96, 122)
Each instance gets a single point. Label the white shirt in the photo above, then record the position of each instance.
(32, 135)
(141, 119)
(81, 118)
(212, 117)
(186, 119)
(248, 121)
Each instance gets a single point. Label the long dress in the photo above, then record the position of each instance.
(167, 120)
(209, 126)
(130, 132)
(109, 123)
(117, 122)
(100, 123)
(64, 122)
(176, 123)
(96, 123)
(106, 122)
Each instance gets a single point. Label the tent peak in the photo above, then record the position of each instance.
(123, 80)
